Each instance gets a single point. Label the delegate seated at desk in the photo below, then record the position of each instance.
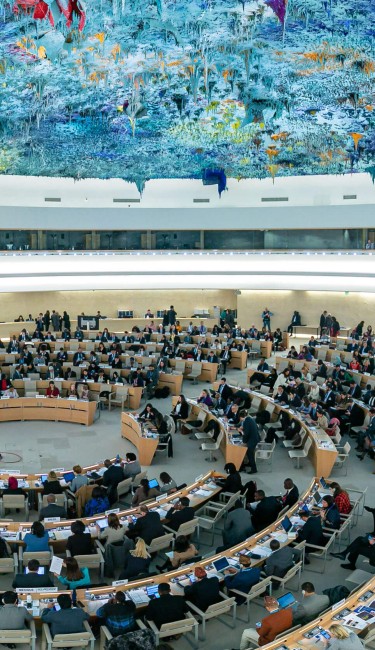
(118, 614)
(52, 509)
(167, 608)
(13, 617)
(148, 525)
(68, 620)
(205, 591)
(33, 579)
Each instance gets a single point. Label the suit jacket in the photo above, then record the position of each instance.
(78, 358)
(32, 580)
(243, 579)
(65, 621)
(147, 527)
(290, 498)
(237, 527)
(225, 391)
(266, 512)
(204, 593)
(166, 609)
(312, 532)
(280, 561)
(313, 605)
(355, 392)
(177, 517)
(52, 510)
(274, 624)
(250, 432)
(14, 618)
(113, 476)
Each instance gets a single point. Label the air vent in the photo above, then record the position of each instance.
(274, 199)
(201, 200)
(52, 200)
(126, 200)
(346, 197)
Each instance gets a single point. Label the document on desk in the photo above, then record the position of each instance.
(263, 551)
(62, 534)
(203, 493)
(139, 596)
(281, 537)
(162, 513)
(56, 565)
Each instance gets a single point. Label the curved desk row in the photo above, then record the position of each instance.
(341, 613)
(262, 538)
(41, 385)
(52, 409)
(201, 490)
(322, 454)
(362, 379)
(133, 430)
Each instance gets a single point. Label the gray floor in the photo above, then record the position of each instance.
(46, 445)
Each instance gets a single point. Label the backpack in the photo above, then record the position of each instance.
(335, 594)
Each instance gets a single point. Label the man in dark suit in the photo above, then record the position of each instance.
(205, 591)
(172, 315)
(266, 512)
(323, 322)
(354, 390)
(224, 390)
(329, 398)
(32, 579)
(291, 495)
(179, 514)
(311, 532)
(167, 608)
(281, 559)
(250, 437)
(78, 357)
(68, 620)
(212, 358)
(148, 525)
(242, 579)
(52, 510)
(225, 357)
(113, 475)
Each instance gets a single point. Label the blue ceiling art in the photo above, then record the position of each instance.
(209, 89)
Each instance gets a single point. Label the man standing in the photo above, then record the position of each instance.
(250, 437)
(172, 315)
(323, 322)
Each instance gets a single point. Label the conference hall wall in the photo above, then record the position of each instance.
(185, 302)
(349, 308)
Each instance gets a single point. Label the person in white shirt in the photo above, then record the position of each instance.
(11, 392)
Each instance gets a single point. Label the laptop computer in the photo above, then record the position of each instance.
(153, 483)
(41, 570)
(286, 600)
(102, 523)
(43, 478)
(221, 564)
(288, 526)
(152, 592)
(68, 476)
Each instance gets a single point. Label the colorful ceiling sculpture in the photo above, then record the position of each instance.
(142, 89)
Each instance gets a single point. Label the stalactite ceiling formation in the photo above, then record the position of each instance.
(140, 89)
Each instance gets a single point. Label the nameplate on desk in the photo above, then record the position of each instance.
(337, 605)
(160, 497)
(58, 469)
(36, 590)
(8, 471)
(114, 510)
(118, 583)
(198, 478)
(51, 520)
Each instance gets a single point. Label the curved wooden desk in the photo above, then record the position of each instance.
(131, 429)
(322, 454)
(297, 639)
(52, 409)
